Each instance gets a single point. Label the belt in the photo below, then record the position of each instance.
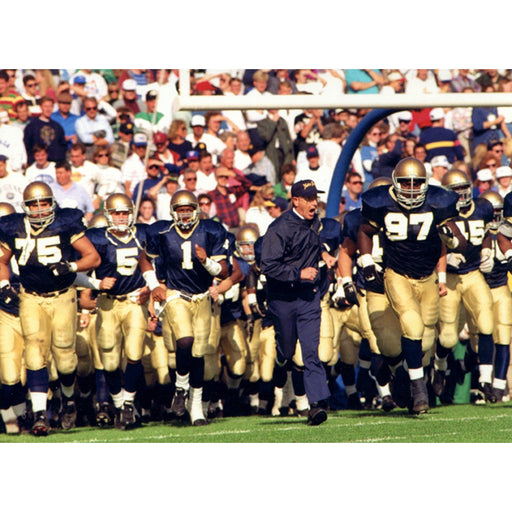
(48, 294)
(120, 298)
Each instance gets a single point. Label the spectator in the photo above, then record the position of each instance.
(69, 194)
(95, 85)
(84, 172)
(22, 116)
(9, 96)
(121, 147)
(150, 120)
(224, 197)
(329, 147)
(276, 207)
(79, 94)
(257, 212)
(112, 93)
(11, 144)
(438, 140)
(192, 160)
(129, 97)
(364, 81)
(459, 120)
(161, 193)
(284, 187)
(321, 175)
(261, 170)
(394, 84)
(276, 77)
(462, 81)
(146, 211)
(495, 147)
(141, 78)
(42, 169)
(439, 165)
(309, 129)
(93, 127)
(198, 125)
(108, 178)
(44, 130)
(352, 191)
(504, 180)
(259, 82)
(65, 118)
(421, 81)
(177, 141)
(154, 172)
(389, 155)
(133, 169)
(242, 157)
(484, 182)
(31, 95)
(227, 158)
(308, 82)
(12, 185)
(207, 206)
(206, 172)
(188, 181)
(236, 117)
(167, 156)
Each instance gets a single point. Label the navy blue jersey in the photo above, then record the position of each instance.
(499, 274)
(290, 245)
(120, 257)
(411, 242)
(507, 206)
(351, 224)
(36, 251)
(473, 225)
(180, 266)
(331, 239)
(13, 307)
(232, 309)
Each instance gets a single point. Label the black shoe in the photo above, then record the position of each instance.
(498, 394)
(400, 388)
(25, 422)
(85, 413)
(129, 416)
(68, 415)
(354, 402)
(459, 371)
(419, 396)
(487, 390)
(41, 425)
(387, 403)
(438, 382)
(317, 414)
(178, 407)
(104, 417)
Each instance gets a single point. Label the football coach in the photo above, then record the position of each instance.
(291, 252)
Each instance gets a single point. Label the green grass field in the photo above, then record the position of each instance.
(446, 424)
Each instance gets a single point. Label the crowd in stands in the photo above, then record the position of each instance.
(90, 133)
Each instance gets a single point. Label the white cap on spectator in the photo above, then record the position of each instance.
(503, 172)
(129, 85)
(484, 175)
(436, 114)
(395, 75)
(405, 116)
(140, 139)
(197, 120)
(440, 161)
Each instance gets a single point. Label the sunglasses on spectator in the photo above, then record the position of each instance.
(91, 108)
(223, 176)
(65, 102)
(190, 179)
(204, 203)
(356, 182)
(154, 166)
(34, 84)
(102, 154)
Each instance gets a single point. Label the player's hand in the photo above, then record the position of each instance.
(338, 298)
(159, 294)
(152, 322)
(486, 260)
(454, 259)
(200, 253)
(85, 320)
(308, 274)
(350, 293)
(61, 268)
(214, 293)
(447, 236)
(365, 261)
(330, 261)
(107, 283)
(249, 327)
(7, 292)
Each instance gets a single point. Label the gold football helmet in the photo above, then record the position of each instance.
(497, 204)
(119, 203)
(98, 221)
(245, 239)
(410, 182)
(381, 181)
(6, 209)
(185, 220)
(35, 193)
(459, 181)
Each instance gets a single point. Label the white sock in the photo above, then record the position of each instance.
(441, 363)
(499, 383)
(383, 390)
(416, 373)
(118, 399)
(38, 399)
(20, 409)
(8, 414)
(363, 363)
(302, 403)
(182, 381)
(254, 400)
(129, 396)
(485, 373)
(68, 391)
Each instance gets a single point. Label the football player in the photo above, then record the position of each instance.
(193, 251)
(43, 241)
(466, 285)
(414, 218)
(122, 311)
(12, 392)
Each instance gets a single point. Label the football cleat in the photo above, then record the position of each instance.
(245, 240)
(85, 413)
(41, 425)
(104, 416)
(25, 422)
(119, 203)
(419, 396)
(459, 182)
(184, 220)
(354, 402)
(129, 416)
(487, 390)
(410, 182)
(400, 390)
(11, 426)
(317, 413)
(68, 415)
(498, 394)
(34, 194)
(195, 408)
(387, 403)
(178, 407)
(438, 382)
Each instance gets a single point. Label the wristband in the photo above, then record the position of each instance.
(4, 283)
(251, 299)
(345, 280)
(366, 260)
(213, 268)
(151, 280)
(442, 277)
(73, 266)
(86, 312)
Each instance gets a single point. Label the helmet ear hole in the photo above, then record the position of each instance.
(185, 220)
(35, 195)
(119, 203)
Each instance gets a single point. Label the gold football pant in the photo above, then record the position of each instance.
(87, 349)
(11, 349)
(120, 329)
(48, 324)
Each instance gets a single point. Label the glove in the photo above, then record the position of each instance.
(447, 236)
(249, 327)
(486, 261)
(350, 291)
(368, 265)
(7, 292)
(454, 259)
(338, 297)
(62, 268)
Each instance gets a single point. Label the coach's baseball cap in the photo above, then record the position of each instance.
(306, 189)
